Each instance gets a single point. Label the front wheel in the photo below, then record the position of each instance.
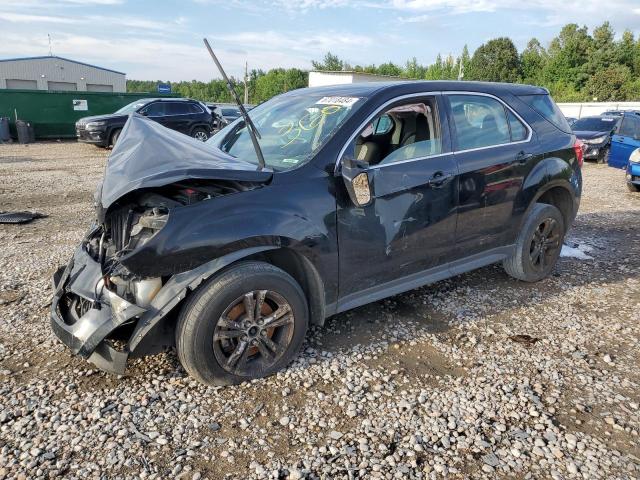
(604, 158)
(114, 137)
(538, 246)
(249, 322)
(200, 133)
(633, 188)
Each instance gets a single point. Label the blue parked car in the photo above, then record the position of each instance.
(625, 140)
(633, 171)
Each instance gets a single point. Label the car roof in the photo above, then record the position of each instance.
(413, 86)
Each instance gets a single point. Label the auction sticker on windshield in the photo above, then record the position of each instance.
(342, 101)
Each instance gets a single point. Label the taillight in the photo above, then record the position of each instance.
(578, 148)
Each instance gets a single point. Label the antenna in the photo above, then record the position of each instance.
(50, 51)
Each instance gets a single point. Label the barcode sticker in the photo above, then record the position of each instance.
(342, 101)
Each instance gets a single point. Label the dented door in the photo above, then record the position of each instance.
(408, 227)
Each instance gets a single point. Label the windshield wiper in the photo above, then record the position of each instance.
(253, 131)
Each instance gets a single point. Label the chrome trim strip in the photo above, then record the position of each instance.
(423, 94)
(435, 155)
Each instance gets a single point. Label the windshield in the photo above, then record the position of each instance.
(594, 124)
(293, 129)
(132, 107)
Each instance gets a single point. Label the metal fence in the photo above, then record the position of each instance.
(579, 110)
(54, 114)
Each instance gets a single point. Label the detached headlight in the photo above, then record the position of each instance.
(593, 141)
(95, 125)
(635, 156)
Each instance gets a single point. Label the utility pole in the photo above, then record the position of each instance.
(246, 82)
(50, 51)
(461, 69)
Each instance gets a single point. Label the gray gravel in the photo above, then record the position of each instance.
(431, 383)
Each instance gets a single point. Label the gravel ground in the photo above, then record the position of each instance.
(477, 376)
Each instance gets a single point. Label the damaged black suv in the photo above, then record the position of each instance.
(366, 191)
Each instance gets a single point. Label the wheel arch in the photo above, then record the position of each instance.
(304, 272)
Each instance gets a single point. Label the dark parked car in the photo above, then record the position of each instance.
(595, 133)
(186, 116)
(367, 191)
(224, 114)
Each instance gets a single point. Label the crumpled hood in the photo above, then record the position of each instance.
(589, 134)
(150, 155)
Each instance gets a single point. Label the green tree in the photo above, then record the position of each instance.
(496, 61)
(390, 69)
(609, 84)
(330, 62)
(568, 55)
(533, 61)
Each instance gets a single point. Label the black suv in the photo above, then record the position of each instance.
(367, 191)
(186, 116)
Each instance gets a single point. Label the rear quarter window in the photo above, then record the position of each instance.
(545, 106)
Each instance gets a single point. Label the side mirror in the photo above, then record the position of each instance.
(356, 179)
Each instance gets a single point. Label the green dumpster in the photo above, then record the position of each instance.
(54, 114)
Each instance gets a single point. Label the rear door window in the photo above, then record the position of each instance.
(177, 108)
(545, 106)
(479, 121)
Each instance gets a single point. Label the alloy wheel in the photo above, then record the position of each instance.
(253, 333)
(201, 135)
(545, 244)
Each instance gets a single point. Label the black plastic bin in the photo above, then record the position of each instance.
(4, 130)
(25, 131)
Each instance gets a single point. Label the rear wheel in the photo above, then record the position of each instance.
(538, 246)
(248, 322)
(200, 133)
(633, 188)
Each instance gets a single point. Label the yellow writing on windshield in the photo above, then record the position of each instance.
(292, 131)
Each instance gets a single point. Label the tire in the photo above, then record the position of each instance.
(200, 133)
(114, 137)
(604, 158)
(633, 188)
(212, 349)
(525, 264)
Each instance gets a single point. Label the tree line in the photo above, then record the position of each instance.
(575, 66)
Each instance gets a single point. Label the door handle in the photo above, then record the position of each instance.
(439, 179)
(523, 157)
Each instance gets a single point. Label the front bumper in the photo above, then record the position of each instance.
(84, 312)
(97, 137)
(633, 173)
(594, 152)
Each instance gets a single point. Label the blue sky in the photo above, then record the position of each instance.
(163, 39)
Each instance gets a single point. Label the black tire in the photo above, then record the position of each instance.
(114, 137)
(633, 188)
(202, 335)
(200, 133)
(530, 263)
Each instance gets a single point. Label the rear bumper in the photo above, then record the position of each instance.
(84, 312)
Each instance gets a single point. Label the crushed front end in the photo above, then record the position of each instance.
(96, 299)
